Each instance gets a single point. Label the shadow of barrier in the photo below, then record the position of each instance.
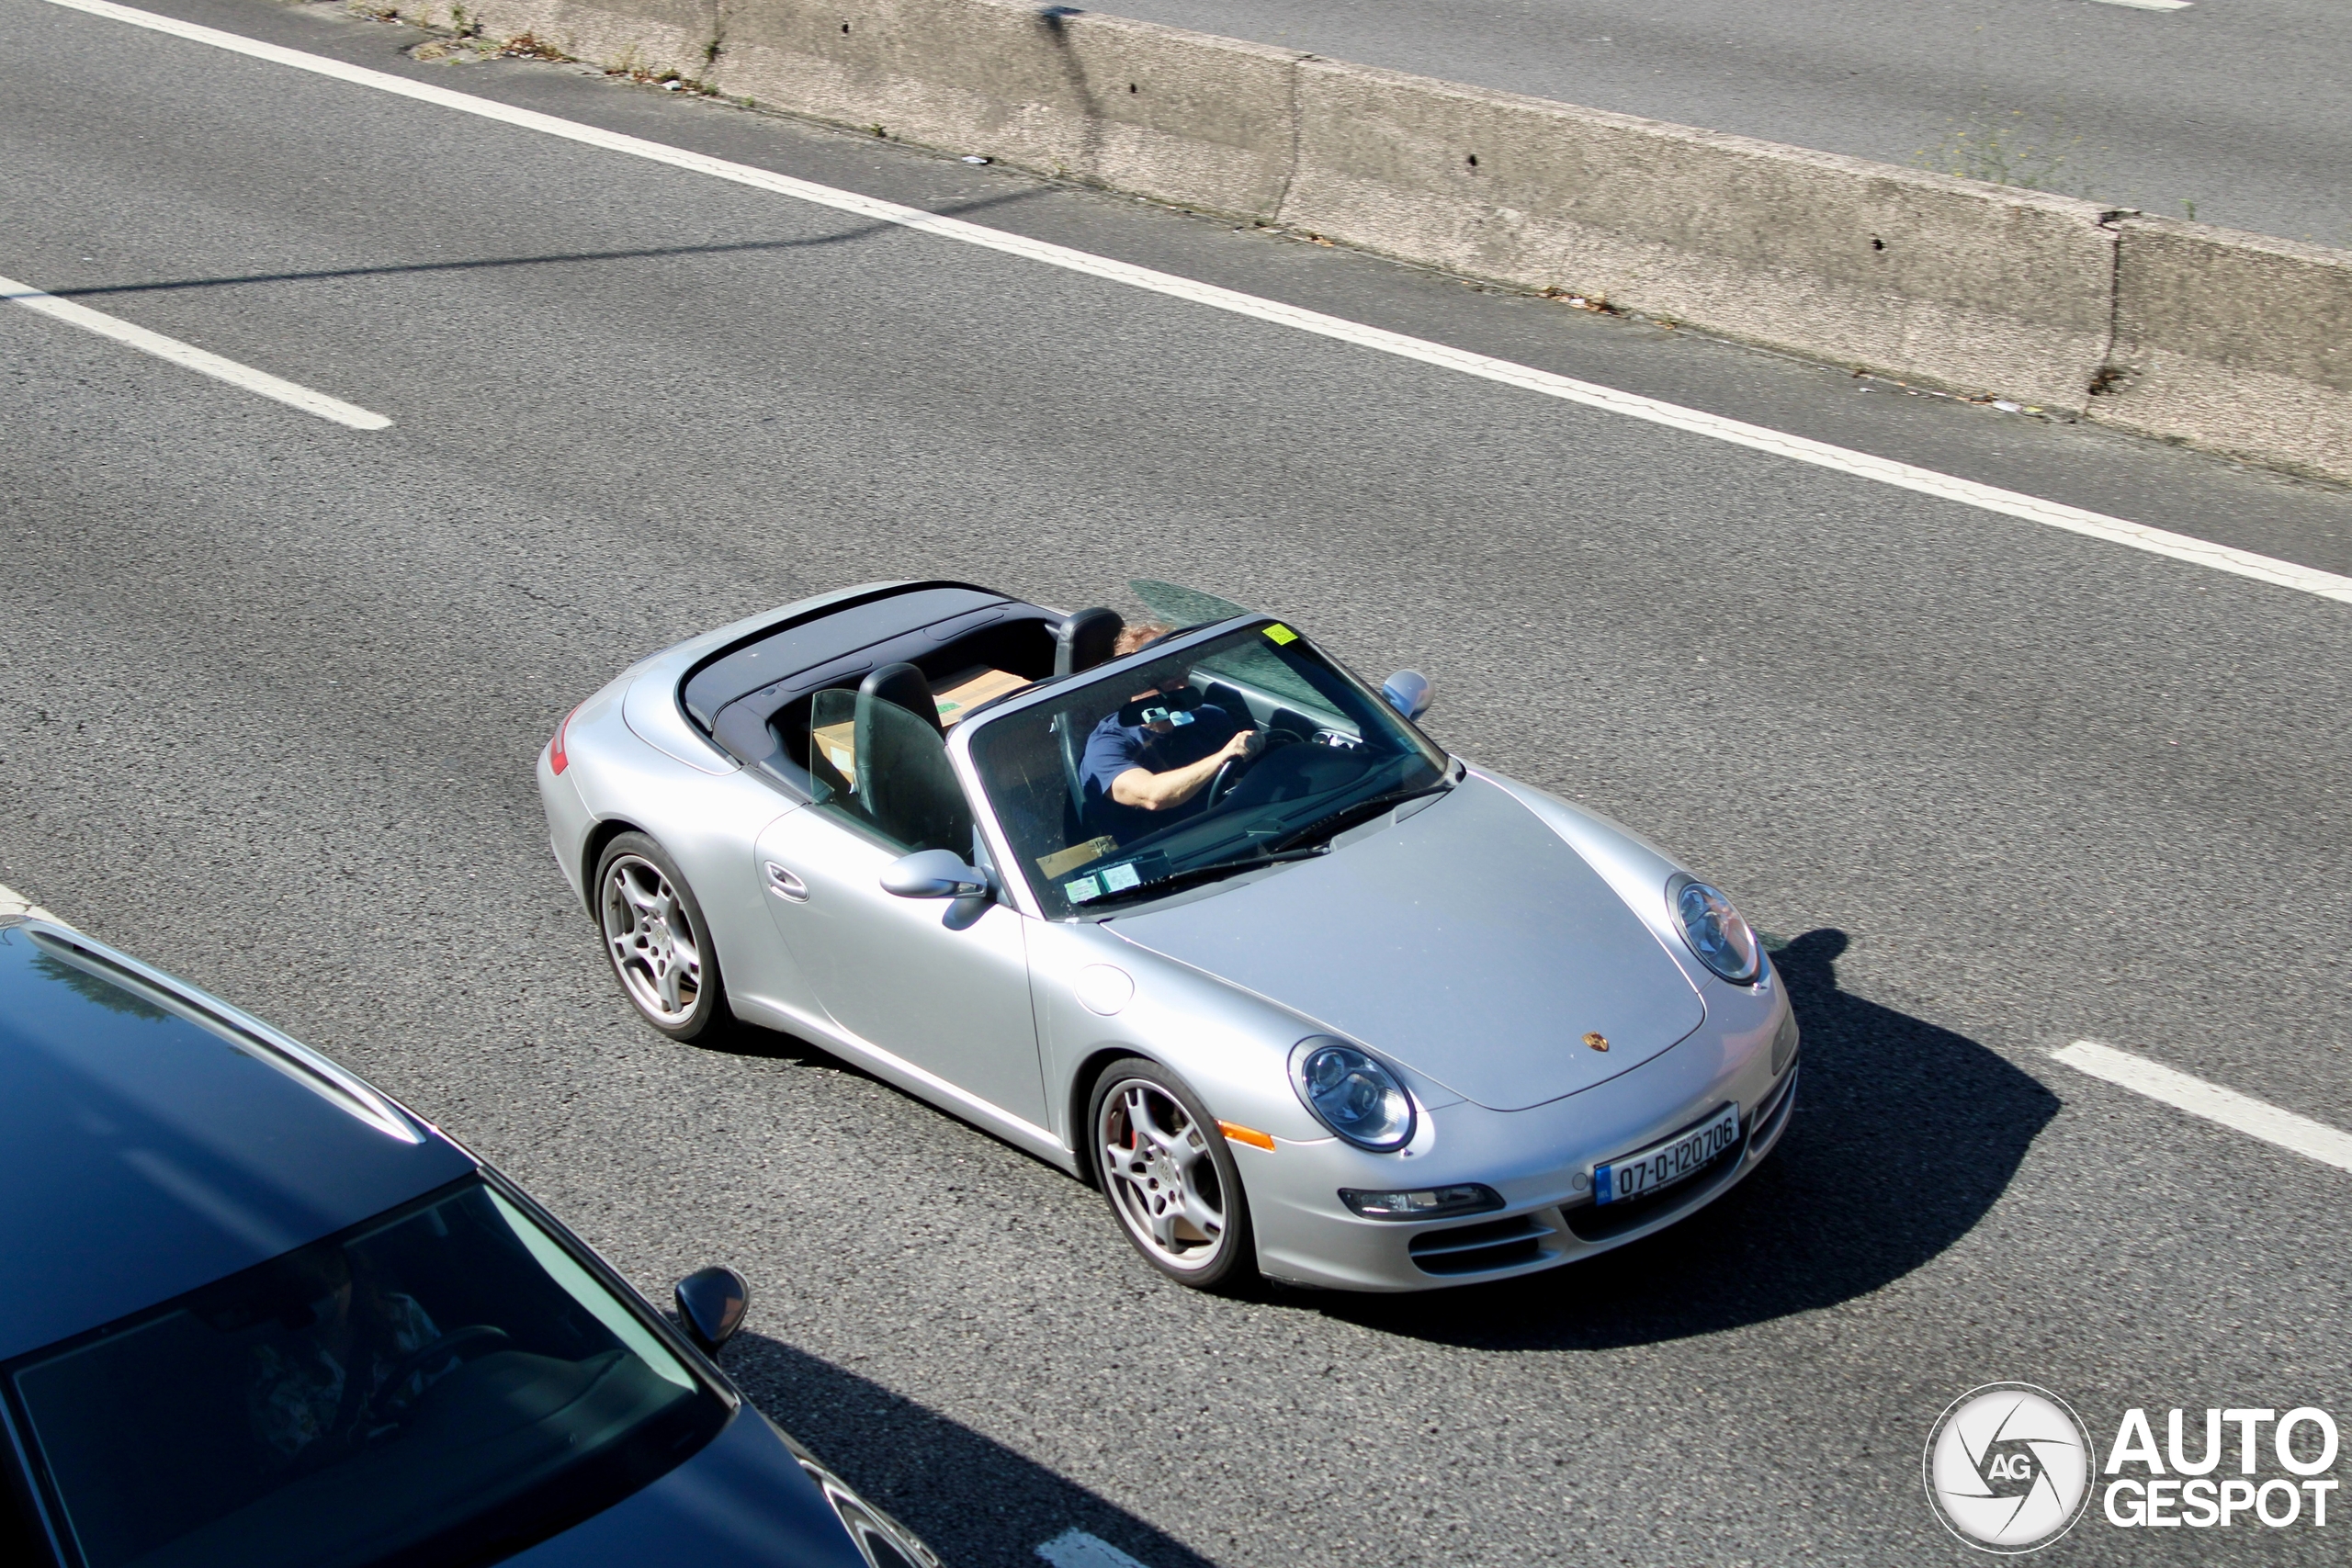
(973, 1500)
(1904, 1136)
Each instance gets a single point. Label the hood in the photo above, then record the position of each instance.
(1469, 943)
(742, 1500)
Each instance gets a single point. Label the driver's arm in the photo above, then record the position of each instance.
(1148, 791)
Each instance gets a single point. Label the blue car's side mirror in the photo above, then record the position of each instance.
(934, 874)
(1409, 692)
(711, 1303)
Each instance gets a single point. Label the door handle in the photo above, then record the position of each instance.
(784, 884)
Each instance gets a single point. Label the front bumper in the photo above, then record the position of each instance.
(1539, 1159)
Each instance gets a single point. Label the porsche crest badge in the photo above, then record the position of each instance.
(1597, 1041)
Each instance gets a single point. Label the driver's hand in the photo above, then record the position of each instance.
(1244, 744)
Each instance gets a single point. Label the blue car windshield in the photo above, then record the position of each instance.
(1246, 749)
(445, 1384)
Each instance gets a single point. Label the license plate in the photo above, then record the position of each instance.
(1663, 1164)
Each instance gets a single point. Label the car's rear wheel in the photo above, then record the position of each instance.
(1170, 1177)
(656, 940)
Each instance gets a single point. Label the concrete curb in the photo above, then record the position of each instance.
(2234, 342)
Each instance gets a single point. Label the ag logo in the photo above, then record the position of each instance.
(2008, 1468)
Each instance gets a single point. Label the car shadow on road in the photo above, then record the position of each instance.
(973, 1500)
(1904, 1136)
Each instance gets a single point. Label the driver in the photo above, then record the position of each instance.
(1147, 763)
(315, 1382)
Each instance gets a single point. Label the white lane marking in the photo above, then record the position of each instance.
(1797, 448)
(2151, 4)
(2255, 1118)
(1076, 1548)
(15, 903)
(191, 356)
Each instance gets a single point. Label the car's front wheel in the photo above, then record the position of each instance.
(1170, 1177)
(656, 940)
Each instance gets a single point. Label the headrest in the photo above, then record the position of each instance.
(1085, 639)
(905, 685)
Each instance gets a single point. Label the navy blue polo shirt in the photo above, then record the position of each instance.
(1114, 748)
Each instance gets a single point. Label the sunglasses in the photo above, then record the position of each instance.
(1161, 707)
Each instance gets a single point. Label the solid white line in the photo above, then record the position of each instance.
(2258, 1119)
(2151, 4)
(1797, 448)
(1076, 1548)
(15, 903)
(191, 356)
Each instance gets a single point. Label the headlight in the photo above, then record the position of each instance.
(882, 1541)
(1716, 932)
(1351, 1093)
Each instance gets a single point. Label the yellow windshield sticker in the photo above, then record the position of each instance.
(1279, 634)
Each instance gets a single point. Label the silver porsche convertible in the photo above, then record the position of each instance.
(1208, 922)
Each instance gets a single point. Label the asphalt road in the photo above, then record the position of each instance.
(272, 686)
(2236, 112)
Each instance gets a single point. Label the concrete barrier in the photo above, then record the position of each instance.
(1189, 119)
(2231, 341)
(1969, 285)
(2235, 342)
(653, 35)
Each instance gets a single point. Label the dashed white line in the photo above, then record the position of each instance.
(1797, 448)
(2151, 4)
(191, 356)
(2241, 1112)
(1076, 1548)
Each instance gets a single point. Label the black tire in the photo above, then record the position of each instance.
(670, 977)
(1153, 1176)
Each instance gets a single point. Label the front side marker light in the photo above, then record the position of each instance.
(1424, 1203)
(1236, 1134)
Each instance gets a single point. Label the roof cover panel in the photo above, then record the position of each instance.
(821, 639)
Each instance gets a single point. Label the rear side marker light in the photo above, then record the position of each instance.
(1236, 1132)
(557, 760)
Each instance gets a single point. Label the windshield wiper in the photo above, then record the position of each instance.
(1187, 878)
(1360, 811)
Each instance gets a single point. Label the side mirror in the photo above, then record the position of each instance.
(935, 873)
(1409, 692)
(711, 1302)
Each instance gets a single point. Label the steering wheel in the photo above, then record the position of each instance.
(1231, 773)
(456, 1342)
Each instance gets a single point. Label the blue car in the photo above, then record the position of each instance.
(255, 1312)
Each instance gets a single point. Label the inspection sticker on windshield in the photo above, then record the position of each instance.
(1663, 1164)
(1095, 884)
(1279, 634)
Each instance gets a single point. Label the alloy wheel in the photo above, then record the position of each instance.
(655, 949)
(1158, 1171)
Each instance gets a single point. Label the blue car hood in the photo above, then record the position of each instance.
(1468, 941)
(743, 1501)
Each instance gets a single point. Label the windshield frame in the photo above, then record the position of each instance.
(461, 1541)
(1012, 874)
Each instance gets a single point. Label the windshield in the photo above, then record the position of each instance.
(1245, 748)
(443, 1383)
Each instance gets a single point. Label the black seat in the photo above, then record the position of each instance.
(906, 787)
(1082, 641)
(905, 685)
(1230, 698)
(1085, 639)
